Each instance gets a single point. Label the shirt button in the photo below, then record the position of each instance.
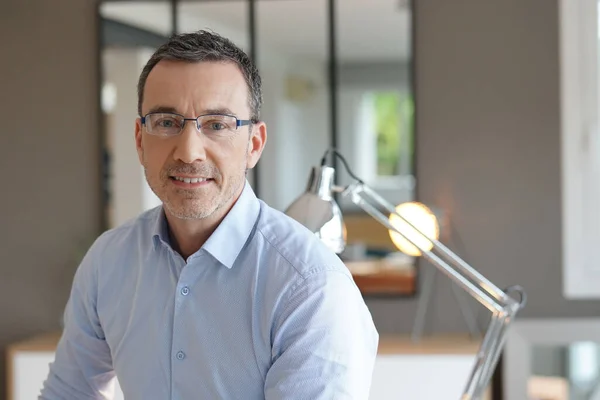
(185, 290)
(180, 355)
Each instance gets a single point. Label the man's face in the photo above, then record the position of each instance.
(221, 161)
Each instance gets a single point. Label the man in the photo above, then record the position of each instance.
(213, 295)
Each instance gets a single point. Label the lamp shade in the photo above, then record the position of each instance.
(317, 210)
(423, 219)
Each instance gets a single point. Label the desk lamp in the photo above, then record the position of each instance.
(317, 210)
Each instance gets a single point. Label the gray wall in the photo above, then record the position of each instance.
(550, 360)
(49, 165)
(488, 150)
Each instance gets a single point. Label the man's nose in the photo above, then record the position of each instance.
(190, 145)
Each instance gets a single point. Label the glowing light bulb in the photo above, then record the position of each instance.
(423, 219)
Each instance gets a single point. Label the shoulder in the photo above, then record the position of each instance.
(296, 246)
(114, 245)
(142, 227)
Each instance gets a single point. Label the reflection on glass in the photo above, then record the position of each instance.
(393, 133)
(131, 31)
(569, 372)
(291, 45)
(375, 95)
(375, 116)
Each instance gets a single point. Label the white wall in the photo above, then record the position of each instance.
(130, 193)
(297, 123)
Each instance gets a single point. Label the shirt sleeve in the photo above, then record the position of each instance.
(82, 368)
(325, 343)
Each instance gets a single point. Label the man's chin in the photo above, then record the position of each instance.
(190, 210)
(190, 215)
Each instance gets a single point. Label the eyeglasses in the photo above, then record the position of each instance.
(169, 124)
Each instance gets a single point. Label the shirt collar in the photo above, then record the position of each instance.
(227, 241)
(160, 230)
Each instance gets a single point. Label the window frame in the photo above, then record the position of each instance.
(580, 147)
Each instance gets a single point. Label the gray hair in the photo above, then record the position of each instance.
(206, 46)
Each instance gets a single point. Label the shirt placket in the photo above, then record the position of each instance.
(182, 312)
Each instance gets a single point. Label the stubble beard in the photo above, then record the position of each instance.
(194, 204)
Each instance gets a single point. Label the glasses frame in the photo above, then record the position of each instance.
(238, 122)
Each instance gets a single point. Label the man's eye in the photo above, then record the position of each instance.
(217, 126)
(166, 123)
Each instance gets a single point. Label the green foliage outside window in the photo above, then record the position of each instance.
(393, 117)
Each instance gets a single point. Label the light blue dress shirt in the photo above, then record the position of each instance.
(262, 311)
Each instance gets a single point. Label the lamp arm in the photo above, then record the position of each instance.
(503, 307)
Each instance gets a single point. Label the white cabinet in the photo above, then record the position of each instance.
(420, 376)
(29, 367)
(435, 368)
(29, 371)
(28, 364)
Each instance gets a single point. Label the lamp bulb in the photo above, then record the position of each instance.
(423, 219)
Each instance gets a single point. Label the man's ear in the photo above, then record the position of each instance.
(138, 140)
(258, 139)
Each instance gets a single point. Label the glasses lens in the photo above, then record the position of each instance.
(164, 124)
(217, 125)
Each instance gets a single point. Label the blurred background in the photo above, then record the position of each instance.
(486, 111)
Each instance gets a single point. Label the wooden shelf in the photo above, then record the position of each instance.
(43, 342)
(435, 344)
(377, 277)
(364, 229)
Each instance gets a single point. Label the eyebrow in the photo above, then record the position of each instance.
(163, 109)
(172, 110)
(225, 111)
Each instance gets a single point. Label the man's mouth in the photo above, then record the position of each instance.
(190, 180)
